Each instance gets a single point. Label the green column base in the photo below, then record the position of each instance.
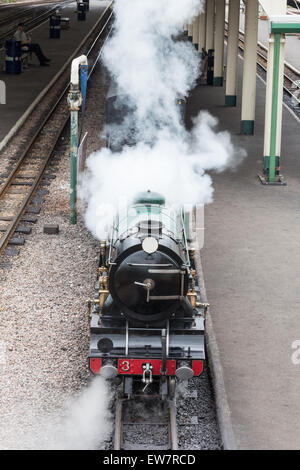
(279, 181)
(266, 166)
(190, 38)
(247, 127)
(218, 81)
(230, 100)
(185, 33)
(196, 46)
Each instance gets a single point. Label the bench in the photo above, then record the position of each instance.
(26, 58)
(64, 23)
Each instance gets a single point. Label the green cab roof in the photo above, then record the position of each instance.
(149, 197)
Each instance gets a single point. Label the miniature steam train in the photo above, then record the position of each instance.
(147, 322)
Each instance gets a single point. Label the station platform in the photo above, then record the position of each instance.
(251, 265)
(292, 45)
(23, 89)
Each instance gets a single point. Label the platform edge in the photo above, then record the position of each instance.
(213, 352)
(41, 95)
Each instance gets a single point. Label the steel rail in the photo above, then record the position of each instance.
(21, 13)
(118, 432)
(28, 147)
(32, 22)
(9, 6)
(173, 426)
(118, 435)
(264, 57)
(20, 211)
(21, 10)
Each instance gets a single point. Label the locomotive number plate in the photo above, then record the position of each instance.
(135, 366)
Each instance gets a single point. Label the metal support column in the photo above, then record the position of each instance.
(273, 116)
(279, 26)
(232, 52)
(202, 31)
(249, 68)
(190, 32)
(196, 32)
(210, 19)
(219, 43)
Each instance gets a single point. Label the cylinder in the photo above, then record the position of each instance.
(219, 43)
(249, 68)
(13, 62)
(54, 31)
(87, 4)
(232, 52)
(81, 15)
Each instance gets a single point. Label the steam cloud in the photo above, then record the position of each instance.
(152, 68)
(82, 423)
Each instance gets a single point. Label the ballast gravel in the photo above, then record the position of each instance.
(47, 397)
(44, 321)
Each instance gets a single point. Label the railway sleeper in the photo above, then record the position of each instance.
(18, 241)
(25, 229)
(145, 417)
(144, 423)
(11, 252)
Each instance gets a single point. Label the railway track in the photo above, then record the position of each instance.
(186, 421)
(21, 184)
(145, 422)
(18, 11)
(8, 24)
(291, 83)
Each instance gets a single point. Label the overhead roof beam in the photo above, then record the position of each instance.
(281, 24)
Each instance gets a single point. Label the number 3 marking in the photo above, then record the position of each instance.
(125, 366)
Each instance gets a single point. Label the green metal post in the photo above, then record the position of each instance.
(74, 102)
(73, 166)
(278, 27)
(274, 117)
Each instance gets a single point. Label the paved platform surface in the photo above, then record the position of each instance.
(22, 89)
(251, 263)
(292, 46)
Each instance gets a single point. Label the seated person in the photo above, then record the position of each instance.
(27, 45)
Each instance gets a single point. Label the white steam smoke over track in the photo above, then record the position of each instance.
(81, 423)
(152, 69)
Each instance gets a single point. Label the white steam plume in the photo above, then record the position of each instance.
(149, 65)
(152, 68)
(82, 423)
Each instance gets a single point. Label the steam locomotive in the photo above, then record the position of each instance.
(147, 321)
